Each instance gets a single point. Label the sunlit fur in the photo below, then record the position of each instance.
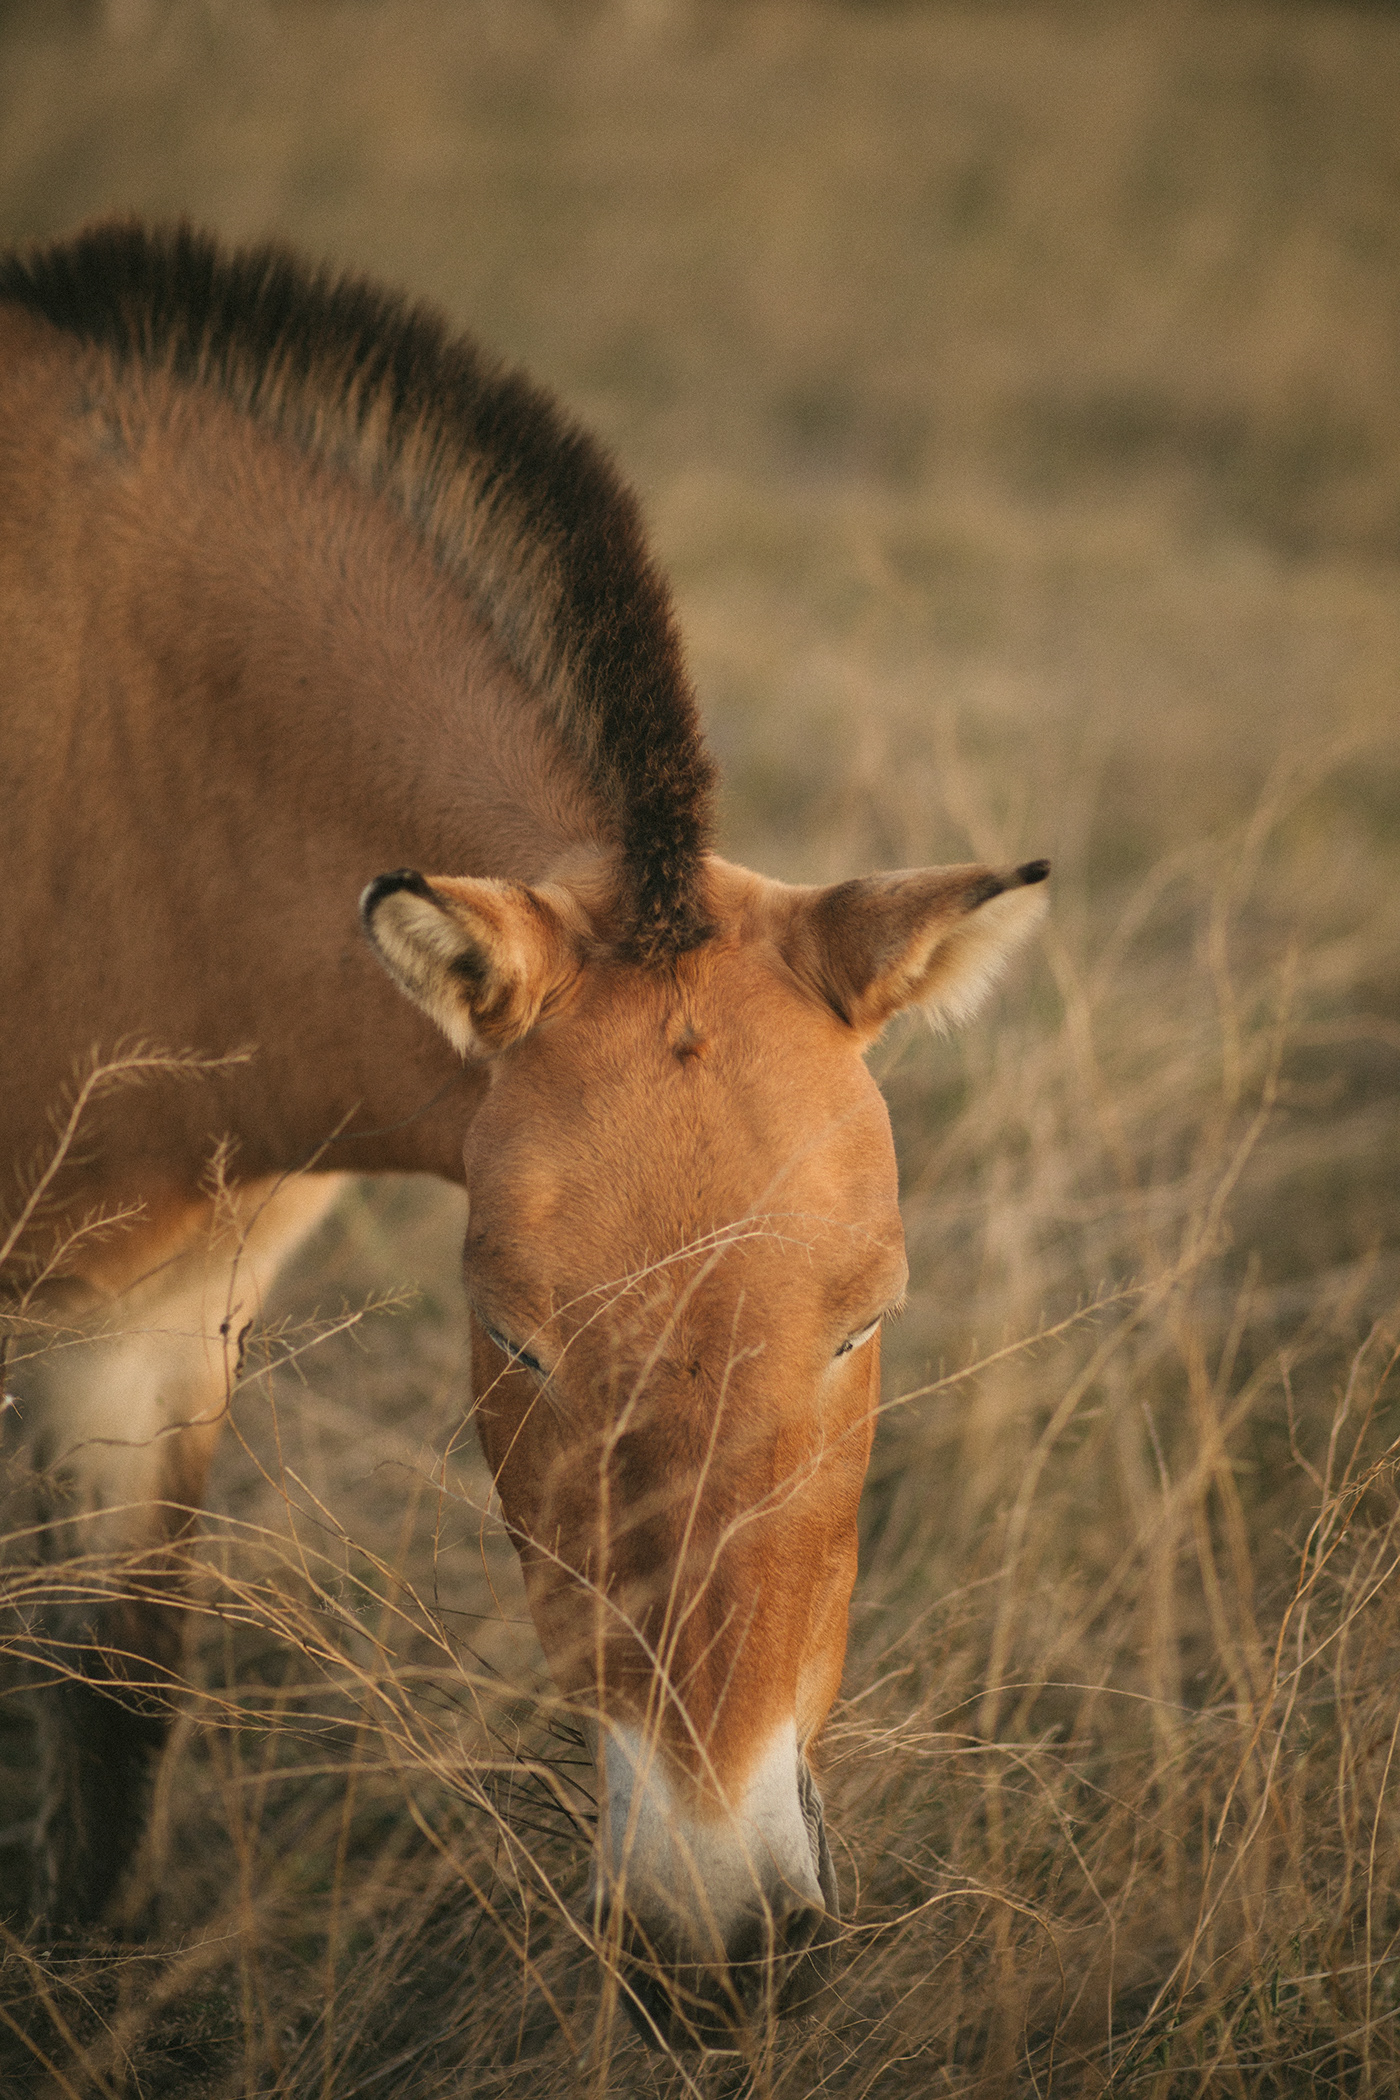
(683, 1206)
(299, 595)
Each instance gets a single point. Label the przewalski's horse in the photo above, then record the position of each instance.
(293, 587)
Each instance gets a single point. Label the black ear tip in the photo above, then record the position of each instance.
(385, 885)
(1033, 870)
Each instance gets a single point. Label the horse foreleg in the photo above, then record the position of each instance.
(109, 1651)
(118, 1420)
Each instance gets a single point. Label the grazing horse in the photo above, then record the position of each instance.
(294, 586)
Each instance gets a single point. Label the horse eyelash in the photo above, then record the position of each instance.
(891, 1312)
(513, 1354)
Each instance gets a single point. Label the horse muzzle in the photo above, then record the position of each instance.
(719, 1924)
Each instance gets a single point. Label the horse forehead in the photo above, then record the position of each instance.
(719, 1068)
(716, 1109)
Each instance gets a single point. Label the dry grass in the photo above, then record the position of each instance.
(1016, 392)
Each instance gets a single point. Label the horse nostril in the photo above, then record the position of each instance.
(798, 1928)
(804, 1944)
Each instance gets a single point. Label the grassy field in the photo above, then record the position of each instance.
(1015, 396)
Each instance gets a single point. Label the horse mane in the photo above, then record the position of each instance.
(517, 504)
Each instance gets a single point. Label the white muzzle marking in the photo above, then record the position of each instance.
(698, 1886)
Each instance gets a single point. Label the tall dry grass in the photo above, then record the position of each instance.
(1014, 392)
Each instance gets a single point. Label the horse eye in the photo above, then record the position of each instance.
(513, 1353)
(857, 1340)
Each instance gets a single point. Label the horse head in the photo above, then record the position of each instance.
(684, 1235)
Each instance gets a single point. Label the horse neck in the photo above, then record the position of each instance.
(278, 698)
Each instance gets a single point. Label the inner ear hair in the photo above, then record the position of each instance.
(931, 937)
(482, 957)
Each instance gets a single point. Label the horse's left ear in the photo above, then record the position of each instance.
(484, 959)
(931, 937)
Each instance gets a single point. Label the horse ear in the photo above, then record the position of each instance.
(484, 959)
(931, 937)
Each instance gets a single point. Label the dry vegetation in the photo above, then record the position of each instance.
(1016, 394)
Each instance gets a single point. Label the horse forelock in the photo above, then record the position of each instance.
(522, 509)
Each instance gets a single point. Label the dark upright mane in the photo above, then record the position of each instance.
(521, 507)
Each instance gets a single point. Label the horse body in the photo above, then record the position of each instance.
(293, 588)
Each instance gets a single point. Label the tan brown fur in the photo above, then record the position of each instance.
(683, 1206)
(519, 506)
(293, 590)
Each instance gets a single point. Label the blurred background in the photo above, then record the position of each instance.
(1014, 395)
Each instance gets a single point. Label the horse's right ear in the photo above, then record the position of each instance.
(484, 959)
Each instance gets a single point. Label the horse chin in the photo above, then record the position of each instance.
(777, 1965)
(681, 2006)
